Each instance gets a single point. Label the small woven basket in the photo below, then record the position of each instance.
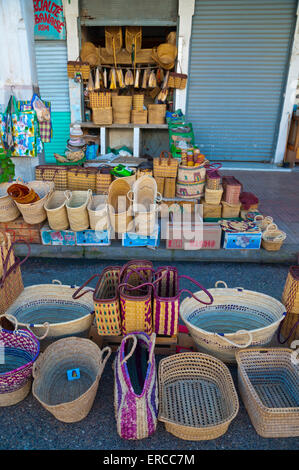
(198, 399)
(268, 384)
(138, 101)
(56, 211)
(103, 181)
(230, 210)
(139, 116)
(232, 189)
(69, 400)
(156, 113)
(102, 116)
(100, 99)
(119, 206)
(213, 196)
(212, 211)
(273, 238)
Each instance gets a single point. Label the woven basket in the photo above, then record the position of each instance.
(82, 179)
(198, 399)
(100, 99)
(122, 103)
(156, 113)
(69, 400)
(190, 181)
(21, 349)
(102, 116)
(56, 174)
(34, 213)
(103, 181)
(74, 67)
(165, 166)
(144, 197)
(121, 117)
(263, 222)
(230, 210)
(76, 206)
(232, 189)
(119, 206)
(238, 318)
(56, 211)
(98, 213)
(139, 117)
(273, 238)
(51, 313)
(8, 208)
(212, 211)
(213, 176)
(136, 304)
(268, 384)
(290, 295)
(169, 188)
(138, 102)
(213, 196)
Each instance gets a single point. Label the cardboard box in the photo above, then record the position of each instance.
(53, 237)
(133, 239)
(93, 238)
(242, 240)
(19, 229)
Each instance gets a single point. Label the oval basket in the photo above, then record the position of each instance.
(63, 315)
(34, 213)
(21, 350)
(238, 318)
(198, 399)
(69, 400)
(8, 208)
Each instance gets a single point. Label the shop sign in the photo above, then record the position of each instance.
(49, 19)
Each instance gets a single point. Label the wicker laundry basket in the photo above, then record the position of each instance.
(69, 400)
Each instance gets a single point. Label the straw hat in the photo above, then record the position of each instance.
(171, 38)
(165, 55)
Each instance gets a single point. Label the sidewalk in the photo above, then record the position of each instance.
(278, 193)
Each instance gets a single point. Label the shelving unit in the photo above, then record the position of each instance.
(137, 128)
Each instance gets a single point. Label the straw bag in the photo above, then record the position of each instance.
(8, 208)
(237, 319)
(56, 211)
(156, 113)
(213, 176)
(21, 349)
(144, 197)
(136, 394)
(190, 181)
(119, 206)
(69, 400)
(82, 179)
(273, 238)
(76, 206)
(198, 399)
(165, 166)
(54, 173)
(11, 283)
(98, 213)
(135, 301)
(268, 384)
(106, 300)
(103, 180)
(34, 212)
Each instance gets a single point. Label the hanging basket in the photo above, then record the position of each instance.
(69, 400)
(21, 349)
(238, 318)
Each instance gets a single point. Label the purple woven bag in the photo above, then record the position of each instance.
(135, 387)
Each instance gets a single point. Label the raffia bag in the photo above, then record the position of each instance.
(8, 208)
(76, 206)
(56, 211)
(69, 400)
(98, 213)
(119, 206)
(55, 173)
(34, 212)
(82, 179)
(190, 181)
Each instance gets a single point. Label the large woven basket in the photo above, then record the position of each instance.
(82, 179)
(144, 196)
(76, 206)
(21, 349)
(56, 211)
(190, 181)
(34, 213)
(69, 400)
(122, 103)
(198, 400)
(102, 116)
(98, 213)
(212, 211)
(156, 113)
(139, 116)
(119, 206)
(51, 313)
(237, 319)
(269, 387)
(55, 173)
(8, 208)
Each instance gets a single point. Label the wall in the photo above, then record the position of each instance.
(18, 70)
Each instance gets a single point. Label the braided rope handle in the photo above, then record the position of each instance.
(103, 359)
(240, 346)
(134, 338)
(45, 325)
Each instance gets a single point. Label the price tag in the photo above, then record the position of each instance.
(73, 374)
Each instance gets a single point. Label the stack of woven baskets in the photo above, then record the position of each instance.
(139, 114)
(100, 102)
(121, 107)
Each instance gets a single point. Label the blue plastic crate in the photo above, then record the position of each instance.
(133, 239)
(93, 238)
(242, 240)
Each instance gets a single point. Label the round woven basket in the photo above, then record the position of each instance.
(69, 400)
(119, 206)
(76, 206)
(34, 212)
(98, 213)
(8, 208)
(238, 318)
(197, 396)
(273, 238)
(56, 211)
(51, 313)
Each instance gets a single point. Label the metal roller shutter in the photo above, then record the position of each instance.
(51, 63)
(128, 13)
(238, 68)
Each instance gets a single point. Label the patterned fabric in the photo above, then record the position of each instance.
(45, 128)
(20, 344)
(136, 414)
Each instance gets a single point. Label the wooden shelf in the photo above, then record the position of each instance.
(91, 125)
